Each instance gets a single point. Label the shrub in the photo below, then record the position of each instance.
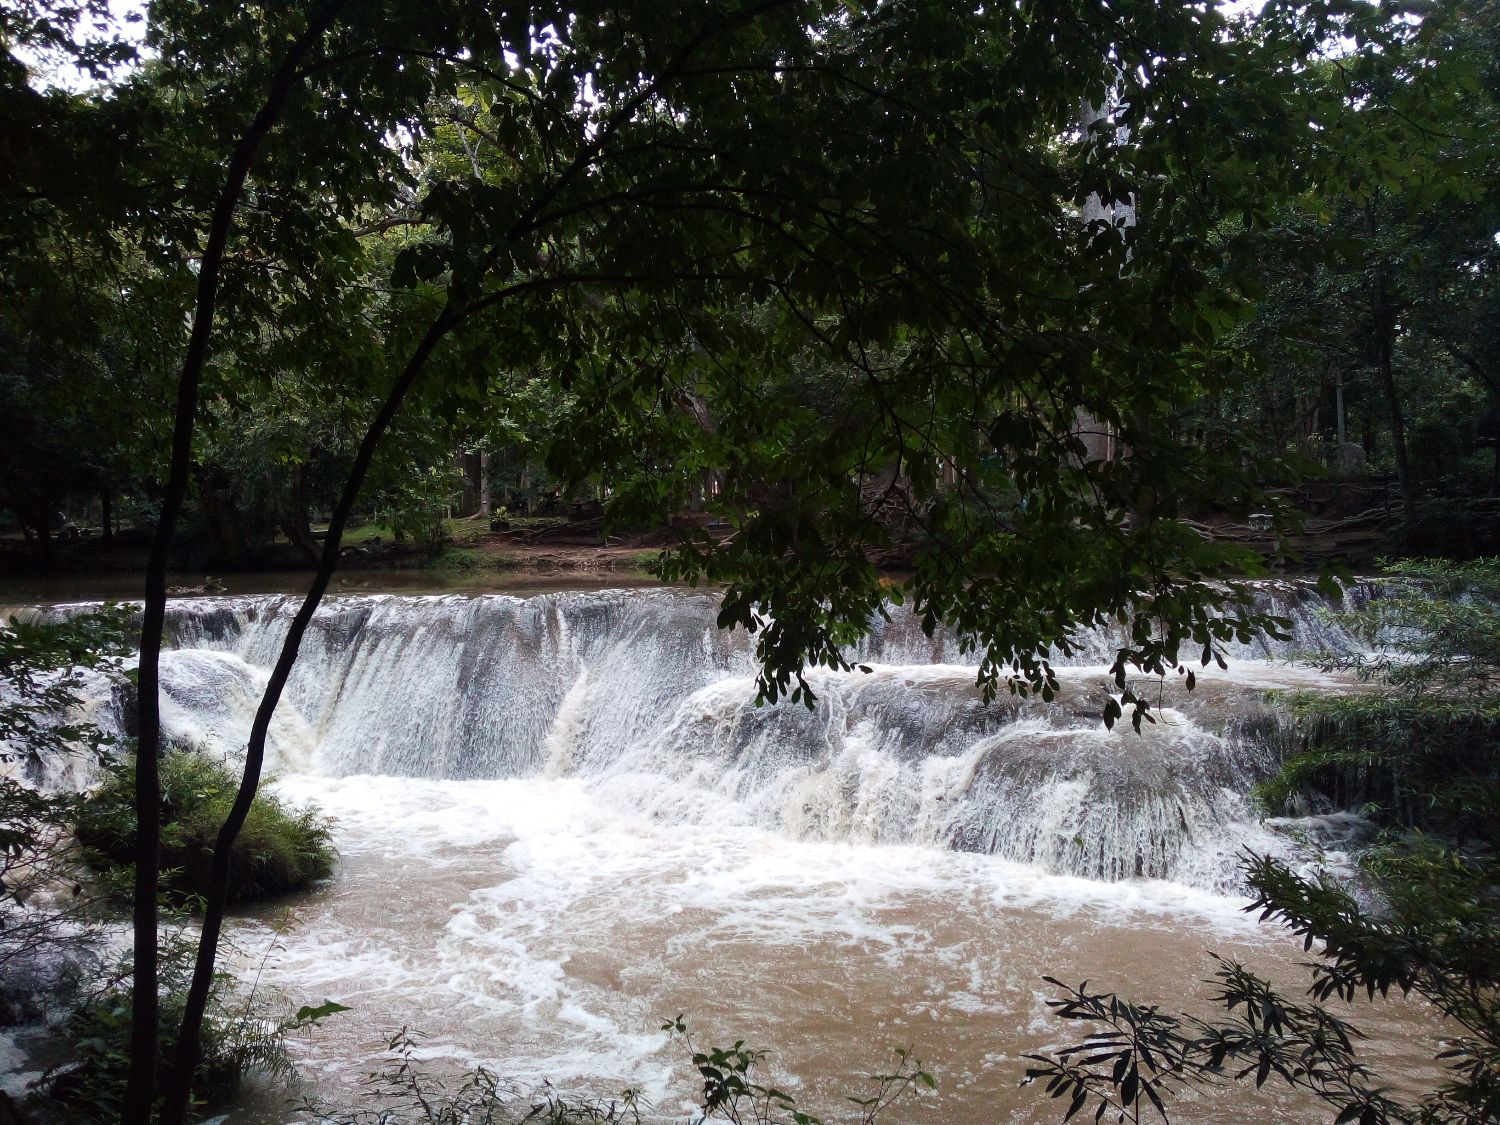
(41, 669)
(278, 850)
(47, 926)
(408, 1092)
(1421, 753)
(238, 1037)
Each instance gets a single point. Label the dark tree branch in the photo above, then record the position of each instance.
(218, 892)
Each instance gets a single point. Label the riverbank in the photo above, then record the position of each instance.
(1340, 524)
(534, 556)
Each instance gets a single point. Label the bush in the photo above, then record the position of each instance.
(237, 1038)
(47, 924)
(1422, 753)
(278, 850)
(48, 931)
(407, 1092)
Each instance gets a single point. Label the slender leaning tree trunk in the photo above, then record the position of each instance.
(140, 1090)
(291, 505)
(179, 1090)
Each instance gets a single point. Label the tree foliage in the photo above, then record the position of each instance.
(1377, 280)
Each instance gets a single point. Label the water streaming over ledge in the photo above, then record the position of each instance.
(639, 696)
(561, 818)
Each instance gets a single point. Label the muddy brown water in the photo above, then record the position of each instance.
(529, 927)
(543, 918)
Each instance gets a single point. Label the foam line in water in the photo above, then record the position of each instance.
(544, 914)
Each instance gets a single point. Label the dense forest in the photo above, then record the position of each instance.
(1333, 311)
(1031, 318)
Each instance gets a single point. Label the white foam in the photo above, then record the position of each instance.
(594, 827)
(13, 1080)
(640, 695)
(544, 912)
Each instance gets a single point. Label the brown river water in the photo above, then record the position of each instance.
(530, 928)
(562, 820)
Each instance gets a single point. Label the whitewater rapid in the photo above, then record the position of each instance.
(537, 927)
(638, 695)
(562, 819)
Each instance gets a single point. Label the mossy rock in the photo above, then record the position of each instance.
(278, 850)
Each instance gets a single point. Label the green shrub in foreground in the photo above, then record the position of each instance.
(407, 1091)
(243, 1033)
(278, 850)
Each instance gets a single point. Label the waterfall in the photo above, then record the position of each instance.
(640, 696)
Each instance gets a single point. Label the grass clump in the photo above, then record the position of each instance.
(470, 558)
(280, 849)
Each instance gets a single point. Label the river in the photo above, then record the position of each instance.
(562, 820)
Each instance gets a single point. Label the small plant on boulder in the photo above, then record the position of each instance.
(279, 850)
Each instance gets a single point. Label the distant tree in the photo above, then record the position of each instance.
(79, 386)
(1379, 280)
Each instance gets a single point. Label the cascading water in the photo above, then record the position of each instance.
(562, 818)
(639, 694)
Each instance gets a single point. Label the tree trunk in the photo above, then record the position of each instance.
(1385, 366)
(221, 518)
(107, 515)
(145, 1007)
(185, 1065)
(1491, 381)
(486, 496)
(291, 513)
